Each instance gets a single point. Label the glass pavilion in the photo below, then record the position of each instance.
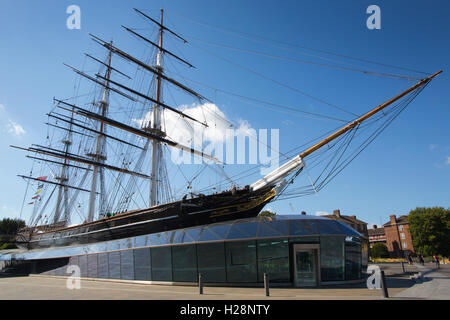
(296, 250)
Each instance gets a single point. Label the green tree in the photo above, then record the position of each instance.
(430, 230)
(8, 230)
(379, 250)
(267, 213)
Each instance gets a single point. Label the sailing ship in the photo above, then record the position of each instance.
(109, 220)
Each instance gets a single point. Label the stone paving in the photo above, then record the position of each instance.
(434, 284)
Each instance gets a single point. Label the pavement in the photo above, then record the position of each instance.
(431, 283)
(404, 283)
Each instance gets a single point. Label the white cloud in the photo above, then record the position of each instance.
(322, 213)
(188, 132)
(433, 146)
(447, 162)
(9, 125)
(15, 128)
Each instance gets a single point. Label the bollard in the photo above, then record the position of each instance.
(383, 285)
(200, 283)
(403, 267)
(266, 284)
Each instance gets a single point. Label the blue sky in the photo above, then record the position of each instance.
(406, 167)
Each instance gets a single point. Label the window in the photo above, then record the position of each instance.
(404, 245)
(161, 263)
(332, 262)
(273, 259)
(241, 261)
(400, 228)
(402, 235)
(142, 270)
(114, 265)
(352, 260)
(184, 263)
(127, 265)
(211, 262)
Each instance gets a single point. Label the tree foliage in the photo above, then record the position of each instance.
(379, 250)
(8, 229)
(267, 213)
(430, 230)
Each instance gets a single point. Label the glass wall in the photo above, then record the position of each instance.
(184, 261)
(142, 267)
(211, 262)
(241, 261)
(273, 259)
(161, 263)
(332, 262)
(352, 260)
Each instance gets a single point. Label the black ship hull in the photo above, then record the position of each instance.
(200, 210)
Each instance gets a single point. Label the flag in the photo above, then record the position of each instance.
(39, 191)
(31, 203)
(42, 178)
(35, 197)
(40, 186)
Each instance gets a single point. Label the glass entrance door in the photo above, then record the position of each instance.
(305, 268)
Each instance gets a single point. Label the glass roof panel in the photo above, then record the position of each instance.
(207, 235)
(266, 230)
(243, 230)
(302, 227)
(158, 239)
(328, 227)
(236, 233)
(177, 236)
(113, 245)
(141, 241)
(193, 233)
(345, 228)
(220, 230)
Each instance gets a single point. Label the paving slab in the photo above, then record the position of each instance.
(432, 284)
(55, 288)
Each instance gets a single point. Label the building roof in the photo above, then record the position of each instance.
(400, 220)
(350, 219)
(376, 232)
(241, 229)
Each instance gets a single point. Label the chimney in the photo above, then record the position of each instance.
(353, 217)
(337, 212)
(393, 219)
(374, 226)
(303, 213)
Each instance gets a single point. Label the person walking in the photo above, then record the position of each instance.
(410, 261)
(436, 260)
(421, 261)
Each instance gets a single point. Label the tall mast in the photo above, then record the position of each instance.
(365, 117)
(156, 123)
(297, 162)
(63, 190)
(99, 155)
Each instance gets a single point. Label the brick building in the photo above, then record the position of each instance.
(376, 235)
(356, 224)
(398, 238)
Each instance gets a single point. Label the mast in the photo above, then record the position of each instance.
(365, 117)
(63, 190)
(99, 155)
(297, 163)
(156, 123)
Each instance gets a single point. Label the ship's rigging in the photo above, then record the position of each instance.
(100, 166)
